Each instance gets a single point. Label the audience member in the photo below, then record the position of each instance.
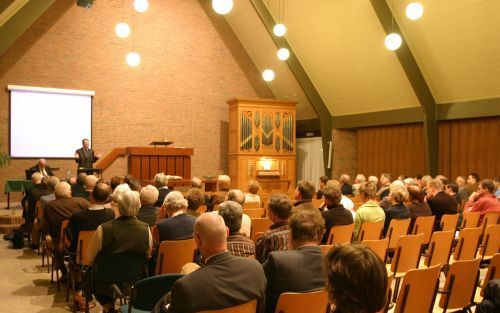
(300, 269)
(356, 280)
(423, 183)
(483, 200)
(42, 168)
(410, 182)
(195, 198)
(253, 190)
(79, 189)
(416, 204)
(224, 281)
(223, 183)
(398, 194)
(345, 201)
(161, 182)
(114, 182)
(452, 190)
(322, 183)
(179, 225)
(238, 196)
(34, 195)
(360, 179)
(373, 180)
(385, 183)
(335, 214)
(119, 190)
(472, 183)
(491, 299)
(237, 243)
(90, 182)
(134, 184)
(52, 182)
(303, 195)
(278, 236)
(370, 211)
(148, 212)
(402, 177)
(386, 202)
(439, 202)
(125, 238)
(345, 185)
(443, 179)
(462, 188)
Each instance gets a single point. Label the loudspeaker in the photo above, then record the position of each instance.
(85, 3)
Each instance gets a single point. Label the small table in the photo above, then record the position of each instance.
(16, 185)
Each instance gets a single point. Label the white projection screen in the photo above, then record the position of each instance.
(47, 122)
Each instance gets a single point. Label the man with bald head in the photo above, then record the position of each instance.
(224, 280)
(42, 168)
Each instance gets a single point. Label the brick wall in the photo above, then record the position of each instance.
(191, 64)
(344, 154)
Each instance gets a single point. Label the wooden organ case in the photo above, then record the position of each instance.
(262, 143)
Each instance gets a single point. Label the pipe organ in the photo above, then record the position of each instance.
(262, 143)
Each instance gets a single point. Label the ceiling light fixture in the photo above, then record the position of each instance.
(283, 54)
(122, 30)
(141, 6)
(268, 75)
(279, 30)
(222, 6)
(393, 41)
(414, 10)
(133, 59)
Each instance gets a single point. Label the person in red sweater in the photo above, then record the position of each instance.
(483, 200)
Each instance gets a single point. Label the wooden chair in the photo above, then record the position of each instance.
(424, 225)
(467, 245)
(325, 248)
(460, 286)
(449, 222)
(378, 246)
(406, 257)
(173, 254)
(491, 242)
(256, 236)
(340, 234)
(418, 291)
(260, 225)
(254, 213)
(470, 220)
(251, 205)
(371, 231)
(397, 228)
(311, 302)
(490, 218)
(249, 307)
(42, 247)
(58, 246)
(439, 250)
(493, 271)
(290, 193)
(317, 202)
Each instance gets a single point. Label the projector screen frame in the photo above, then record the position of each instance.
(10, 88)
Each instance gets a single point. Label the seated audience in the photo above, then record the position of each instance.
(223, 183)
(224, 281)
(114, 182)
(238, 196)
(443, 179)
(335, 214)
(472, 183)
(462, 188)
(114, 241)
(78, 189)
(179, 225)
(452, 190)
(134, 184)
(119, 190)
(345, 185)
(53, 215)
(52, 182)
(148, 212)
(385, 183)
(278, 236)
(370, 211)
(373, 180)
(360, 179)
(322, 184)
(237, 243)
(483, 200)
(161, 182)
(356, 280)
(303, 195)
(423, 183)
(90, 182)
(198, 184)
(42, 168)
(253, 190)
(398, 194)
(300, 269)
(345, 201)
(439, 202)
(195, 198)
(416, 204)
(33, 194)
(410, 182)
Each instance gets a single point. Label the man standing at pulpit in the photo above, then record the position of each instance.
(85, 157)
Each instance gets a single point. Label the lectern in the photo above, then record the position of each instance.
(262, 143)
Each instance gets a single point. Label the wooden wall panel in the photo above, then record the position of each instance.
(395, 149)
(470, 145)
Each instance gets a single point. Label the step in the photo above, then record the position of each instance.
(11, 219)
(8, 228)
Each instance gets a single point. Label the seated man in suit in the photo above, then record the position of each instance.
(148, 211)
(161, 182)
(335, 213)
(300, 269)
(42, 168)
(224, 281)
(440, 202)
(78, 189)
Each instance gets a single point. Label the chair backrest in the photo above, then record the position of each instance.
(418, 290)
(470, 220)
(439, 250)
(38, 209)
(311, 302)
(490, 218)
(491, 242)
(251, 205)
(371, 231)
(173, 254)
(84, 237)
(424, 225)
(146, 292)
(62, 236)
(378, 246)
(397, 228)
(202, 208)
(325, 248)
(317, 202)
(467, 245)
(249, 307)
(493, 271)
(407, 253)
(460, 285)
(256, 236)
(254, 213)
(340, 234)
(260, 225)
(449, 222)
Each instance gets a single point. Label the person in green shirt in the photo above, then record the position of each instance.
(370, 211)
